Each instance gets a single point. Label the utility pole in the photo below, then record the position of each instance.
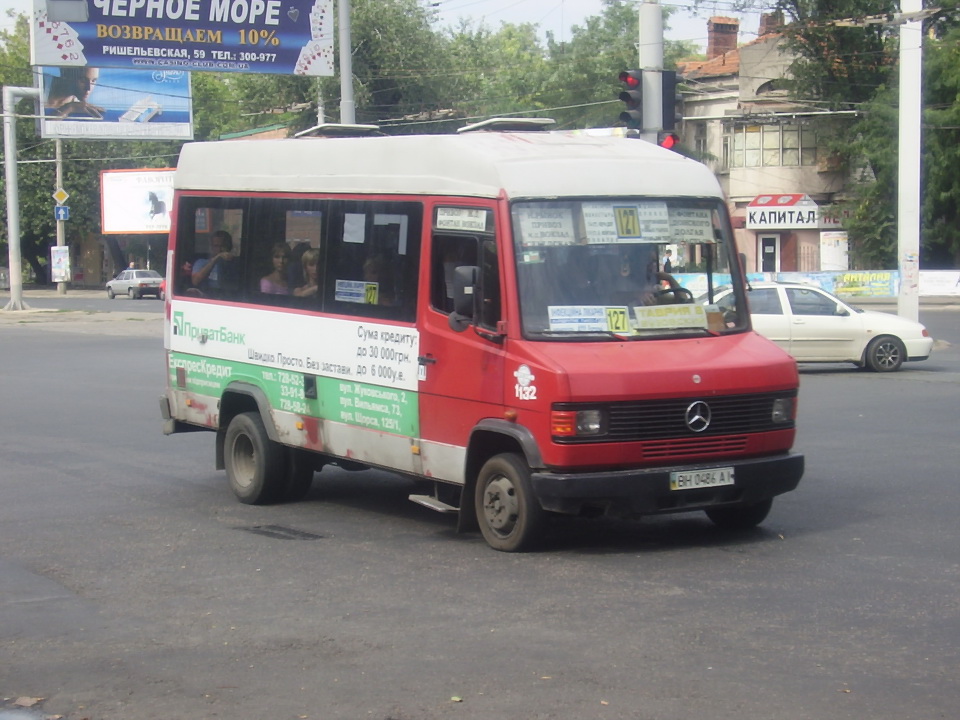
(348, 115)
(651, 63)
(908, 195)
(910, 117)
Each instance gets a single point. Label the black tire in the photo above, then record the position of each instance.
(255, 464)
(509, 514)
(110, 293)
(739, 517)
(132, 293)
(299, 475)
(885, 354)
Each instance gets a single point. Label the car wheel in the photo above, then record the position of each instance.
(131, 293)
(739, 517)
(254, 463)
(885, 354)
(510, 516)
(110, 293)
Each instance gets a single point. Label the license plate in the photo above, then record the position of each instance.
(694, 479)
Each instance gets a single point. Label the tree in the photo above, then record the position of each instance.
(82, 162)
(851, 68)
(397, 61)
(587, 67)
(496, 73)
(856, 68)
(941, 155)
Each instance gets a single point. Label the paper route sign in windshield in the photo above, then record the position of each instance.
(292, 37)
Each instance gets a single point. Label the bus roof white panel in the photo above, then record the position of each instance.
(523, 165)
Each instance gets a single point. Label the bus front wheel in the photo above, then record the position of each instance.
(509, 514)
(739, 517)
(254, 463)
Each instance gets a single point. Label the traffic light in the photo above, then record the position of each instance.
(671, 100)
(669, 140)
(632, 96)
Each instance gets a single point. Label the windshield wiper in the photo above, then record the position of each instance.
(586, 334)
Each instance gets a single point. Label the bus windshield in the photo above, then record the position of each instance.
(625, 268)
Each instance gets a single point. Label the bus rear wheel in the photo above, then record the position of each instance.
(254, 463)
(509, 514)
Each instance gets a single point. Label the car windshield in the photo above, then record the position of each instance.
(148, 274)
(624, 268)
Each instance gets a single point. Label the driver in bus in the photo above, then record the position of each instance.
(640, 281)
(214, 275)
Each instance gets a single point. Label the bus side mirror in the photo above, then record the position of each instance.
(464, 296)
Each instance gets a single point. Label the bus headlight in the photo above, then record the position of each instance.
(784, 410)
(577, 423)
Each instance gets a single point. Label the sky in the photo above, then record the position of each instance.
(557, 16)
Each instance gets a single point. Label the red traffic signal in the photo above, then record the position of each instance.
(668, 140)
(632, 96)
(631, 78)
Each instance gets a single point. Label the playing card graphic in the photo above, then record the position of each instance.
(316, 57)
(55, 42)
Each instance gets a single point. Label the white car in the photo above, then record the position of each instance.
(815, 326)
(135, 284)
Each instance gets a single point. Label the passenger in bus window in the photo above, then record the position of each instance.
(276, 282)
(218, 273)
(375, 271)
(310, 262)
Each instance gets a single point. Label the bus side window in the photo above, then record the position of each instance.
(374, 254)
(449, 252)
(489, 285)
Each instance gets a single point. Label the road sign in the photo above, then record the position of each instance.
(61, 212)
(60, 196)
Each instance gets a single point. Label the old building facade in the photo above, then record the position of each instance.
(780, 182)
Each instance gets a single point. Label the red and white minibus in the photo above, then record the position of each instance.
(486, 313)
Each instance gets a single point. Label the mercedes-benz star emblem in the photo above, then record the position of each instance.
(698, 416)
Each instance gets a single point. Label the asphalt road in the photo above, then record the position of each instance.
(132, 584)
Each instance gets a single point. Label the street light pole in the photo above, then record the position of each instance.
(61, 240)
(651, 63)
(11, 95)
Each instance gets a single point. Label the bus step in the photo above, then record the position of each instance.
(434, 504)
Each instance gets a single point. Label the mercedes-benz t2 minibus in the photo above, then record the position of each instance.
(485, 313)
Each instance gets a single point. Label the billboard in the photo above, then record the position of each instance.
(136, 201)
(115, 103)
(282, 37)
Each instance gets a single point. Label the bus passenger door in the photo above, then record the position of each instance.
(461, 372)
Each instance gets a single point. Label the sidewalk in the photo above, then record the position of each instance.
(106, 320)
(51, 292)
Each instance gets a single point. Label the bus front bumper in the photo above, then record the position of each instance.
(648, 491)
